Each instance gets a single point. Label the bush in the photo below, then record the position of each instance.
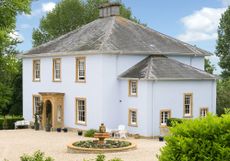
(37, 156)
(9, 122)
(90, 133)
(204, 139)
(102, 157)
(173, 121)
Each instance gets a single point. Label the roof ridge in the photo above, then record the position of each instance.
(108, 33)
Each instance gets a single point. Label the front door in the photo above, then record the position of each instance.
(48, 112)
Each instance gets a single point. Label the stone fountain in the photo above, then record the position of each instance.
(101, 145)
(102, 134)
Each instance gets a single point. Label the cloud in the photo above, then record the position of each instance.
(25, 26)
(201, 25)
(225, 2)
(47, 7)
(16, 36)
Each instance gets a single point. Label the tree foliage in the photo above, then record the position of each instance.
(201, 139)
(8, 12)
(223, 95)
(10, 70)
(223, 45)
(69, 15)
(209, 67)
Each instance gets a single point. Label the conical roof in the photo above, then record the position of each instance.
(163, 68)
(117, 35)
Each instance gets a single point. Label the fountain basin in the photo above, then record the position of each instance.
(110, 146)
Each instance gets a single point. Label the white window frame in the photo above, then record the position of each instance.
(188, 104)
(80, 69)
(133, 87)
(203, 112)
(56, 61)
(79, 112)
(131, 115)
(163, 118)
(36, 70)
(36, 102)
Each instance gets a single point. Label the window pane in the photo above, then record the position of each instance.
(81, 110)
(81, 69)
(37, 69)
(57, 69)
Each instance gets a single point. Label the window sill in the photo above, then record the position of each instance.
(81, 123)
(133, 125)
(132, 95)
(56, 80)
(188, 117)
(36, 80)
(80, 81)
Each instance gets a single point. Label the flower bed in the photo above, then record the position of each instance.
(92, 146)
(108, 144)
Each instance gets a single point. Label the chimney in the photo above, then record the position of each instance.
(109, 9)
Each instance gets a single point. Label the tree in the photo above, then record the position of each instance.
(223, 95)
(223, 45)
(9, 64)
(69, 15)
(209, 67)
(8, 12)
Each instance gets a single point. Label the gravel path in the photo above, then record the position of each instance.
(14, 143)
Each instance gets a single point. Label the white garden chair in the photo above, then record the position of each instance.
(121, 132)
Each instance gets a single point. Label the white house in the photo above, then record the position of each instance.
(115, 71)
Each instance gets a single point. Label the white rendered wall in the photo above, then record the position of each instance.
(195, 61)
(100, 90)
(113, 66)
(155, 96)
(91, 90)
(142, 103)
(170, 95)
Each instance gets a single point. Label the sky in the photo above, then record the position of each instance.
(192, 21)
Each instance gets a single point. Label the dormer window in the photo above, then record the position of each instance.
(57, 69)
(36, 71)
(80, 69)
(133, 88)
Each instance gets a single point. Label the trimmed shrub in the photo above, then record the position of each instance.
(90, 133)
(206, 139)
(9, 124)
(102, 157)
(37, 156)
(173, 121)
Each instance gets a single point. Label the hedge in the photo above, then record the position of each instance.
(200, 139)
(10, 122)
(173, 121)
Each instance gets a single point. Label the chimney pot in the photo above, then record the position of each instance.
(109, 9)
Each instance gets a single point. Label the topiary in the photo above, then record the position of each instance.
(204, 139)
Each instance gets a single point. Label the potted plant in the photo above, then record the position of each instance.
(65, 129)
(79, 132)
(58, 129)
(36, 124)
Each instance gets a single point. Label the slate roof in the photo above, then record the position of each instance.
(163, 68)
(117, 35)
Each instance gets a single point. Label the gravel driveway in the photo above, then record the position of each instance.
(14, 143)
